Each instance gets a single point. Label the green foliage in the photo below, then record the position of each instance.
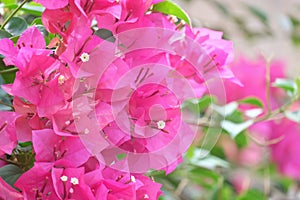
(252, 101)
(286, 84)
(4, 34)
(16, 26)
(170, 8)
(252, 194)
(29, 8)
(10, 173)
(105, 35)
(234, 129)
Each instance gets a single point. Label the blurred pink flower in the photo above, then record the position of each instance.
(8, 137)
(285, 152)
(252, 74)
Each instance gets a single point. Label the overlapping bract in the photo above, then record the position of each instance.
(59, 87)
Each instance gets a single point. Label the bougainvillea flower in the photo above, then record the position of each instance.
(50, 147)
(30, 42)
(286, 152)
(8, 138)
(28, 119)
(101, 112)
(69, 183)
(39, 84)
(246, 71)
(37, 182)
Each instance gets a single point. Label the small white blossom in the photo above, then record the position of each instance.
(86, 131)
(132, 179)
(161, 124)
(85, 57)
(61, 79)
(74, 181)
(64, 178)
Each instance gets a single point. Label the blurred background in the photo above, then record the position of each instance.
(270, 27)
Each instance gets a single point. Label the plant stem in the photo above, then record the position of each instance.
(268, 84)
(13, 14)
(14, 69)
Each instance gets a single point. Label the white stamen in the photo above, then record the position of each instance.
(86, 131)
(67, 122)
(85, 57)
(146, 196)
(132, 179)
(64, 178)
(161, 124)
(71, 190)
(74, 181)
(61, 79)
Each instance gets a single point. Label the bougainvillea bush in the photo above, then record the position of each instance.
(125, 99)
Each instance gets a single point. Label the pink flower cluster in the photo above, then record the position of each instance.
(100, 112)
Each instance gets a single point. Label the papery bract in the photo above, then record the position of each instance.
(7, 192)
(50, 147)
(8, 138)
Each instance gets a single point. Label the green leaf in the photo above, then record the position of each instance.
(15, 39)
(16, 26)
(224, 192)
(252, 101)
(293, 116)
(286, 84)
(226, 110)
(252, 194)
(241, 140)
(198, 105)
(170, 8)
(121, 156)
(9, 1)
(105, 35)
(7, 77)
(204, 177)
(209, 161)
(43, 30)
(25, 144)
(37, 21)
(260, 14)
(233, 128)
(4, 34)
(34, 9)
(253, 113)
(10, 173)
(30, 8)
(297, 82)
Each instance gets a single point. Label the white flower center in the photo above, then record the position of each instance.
(161, 124)
(86, 131)
(146, 196)
(61, 79)
(64, 178)
(85, 57)
(74, 181)
(132, 179)
(71, 190)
